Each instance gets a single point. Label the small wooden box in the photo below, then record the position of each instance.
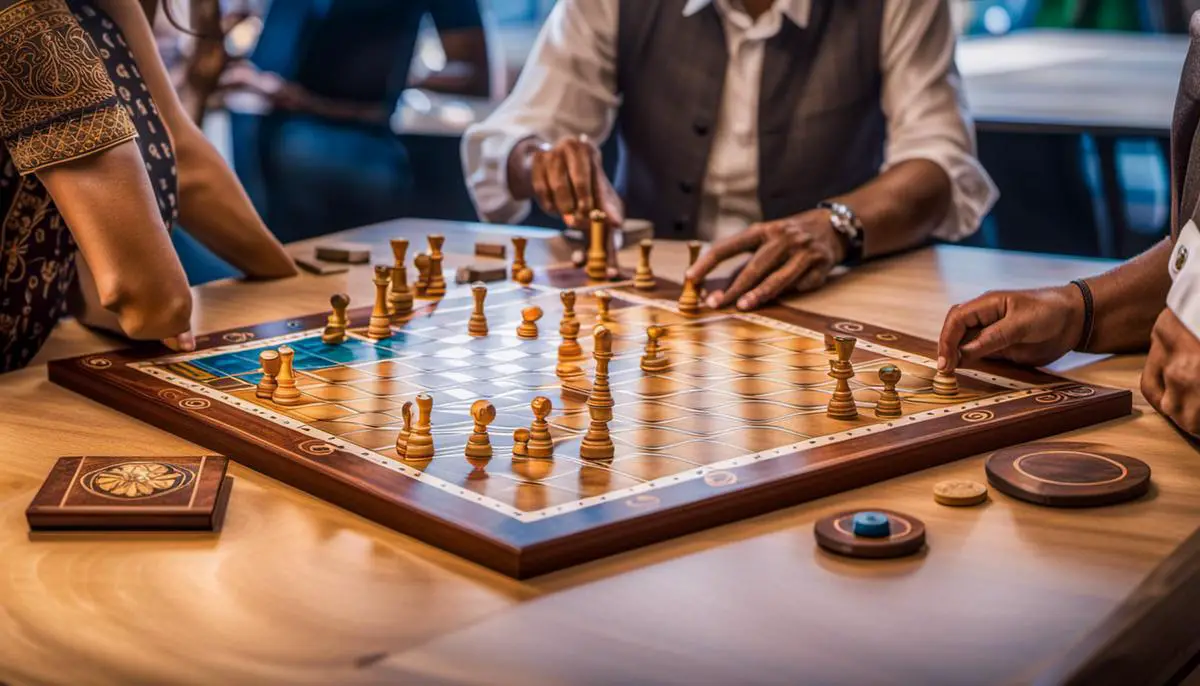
(132, 494)
(351, 253)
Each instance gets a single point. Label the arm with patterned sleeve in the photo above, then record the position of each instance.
(60, 120)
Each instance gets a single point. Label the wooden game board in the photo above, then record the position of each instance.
(736, 426)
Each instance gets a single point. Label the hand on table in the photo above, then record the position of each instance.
(1171, 379)
(1033, 327)
(796, 252)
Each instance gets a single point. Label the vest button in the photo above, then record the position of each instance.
(701, 128)
(687, 187)
(681, 224)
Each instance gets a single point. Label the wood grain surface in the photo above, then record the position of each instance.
(295, 590)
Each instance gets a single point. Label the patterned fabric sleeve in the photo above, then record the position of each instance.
(57, 102)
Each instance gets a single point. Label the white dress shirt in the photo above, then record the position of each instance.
(568, 88)
(1184, 296)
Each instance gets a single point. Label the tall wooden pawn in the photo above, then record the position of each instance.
(380, 324)
(477, 325)
(400, 298)
(889, 400)
(568, 303)
(420, 439)
(478, 444)
(841, 403)
(540, 443)
(335, 325)
(569, 351)
(653, 360)
(437, 280)
(689, 298)
(269, 359)
(597, 442)
(596, 266)
(518, 263)
(420, 286)
(286, 392)
(643, 277)
(406, 431)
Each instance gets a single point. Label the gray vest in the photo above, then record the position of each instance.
(1185, 144)
(821, 128)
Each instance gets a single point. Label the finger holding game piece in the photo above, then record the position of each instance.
(269, 359)
(540, 443)
(959, 493)
(477, 325)
(405, 431)
(479, 445)
(528, 329)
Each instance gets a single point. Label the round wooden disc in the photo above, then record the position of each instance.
(836, 534)
(959, 493)
(1062, 474)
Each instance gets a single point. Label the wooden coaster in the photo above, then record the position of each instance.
(1063, 474)
(132, 494)
(836, 534)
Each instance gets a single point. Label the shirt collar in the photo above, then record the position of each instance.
(796, 10)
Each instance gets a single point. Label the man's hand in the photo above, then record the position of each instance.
(1033, 327)
(568, 181)
(1171, 379)
(797, 252)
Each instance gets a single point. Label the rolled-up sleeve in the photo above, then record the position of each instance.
(568, 88)
(57, 102)
(927, 111)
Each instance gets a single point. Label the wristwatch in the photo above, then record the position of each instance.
(848, 227)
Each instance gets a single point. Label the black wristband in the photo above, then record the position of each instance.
(1089, 315)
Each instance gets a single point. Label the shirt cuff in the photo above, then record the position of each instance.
(1184, 297)
(485, 155)
(972, 192)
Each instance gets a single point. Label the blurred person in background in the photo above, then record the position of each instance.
(323, 158)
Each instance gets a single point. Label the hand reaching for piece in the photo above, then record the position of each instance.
(568, 181)
(1171, 379)
(1033, 327)
(796, 252)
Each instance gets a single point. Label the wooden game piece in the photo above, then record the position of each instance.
(597, 442)
(437, 281)
(335, 325)
(400, 298)
(643, 276)
(520, 443)
(540, 443)
(889, 400)
(652, 360)
(905, 535)
(568, 303)
(349, 253)
(945, 385)
(518, 263)
(1067, 474)
(269, 359)
(477, 325)
(420, 439)
(525, 276)
(603, 302)
(569, 351)
(314, 266)
(596, 266)
(478, 444)
(472, 273)
(380, 324)
(871, 525)
(528, 327)
(841, 403)
(959, 493)
(491, 249)
(829, 346)
(286, 392)
(421, 285)
(689, 298)
(405, 431)
(141, 493)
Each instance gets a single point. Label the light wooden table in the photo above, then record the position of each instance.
(294, 590)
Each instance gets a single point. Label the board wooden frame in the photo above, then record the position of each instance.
(525, 549)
